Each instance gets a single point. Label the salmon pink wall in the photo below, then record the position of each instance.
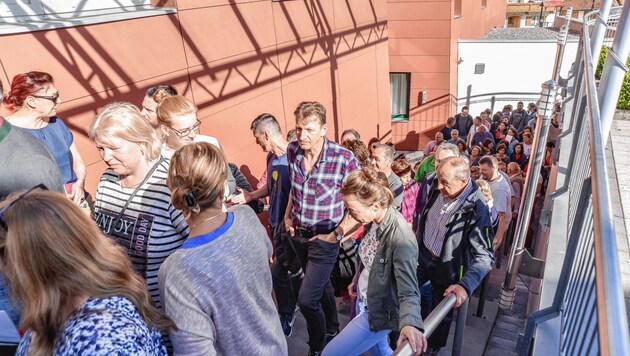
(234, 58)
(423, 37)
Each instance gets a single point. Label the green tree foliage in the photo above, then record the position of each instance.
(624, 95)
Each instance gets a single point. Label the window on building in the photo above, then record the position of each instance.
(458, 8)
(484, 3)
(480, 68)
(399, 87)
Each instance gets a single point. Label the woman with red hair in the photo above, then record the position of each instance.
(34, 99)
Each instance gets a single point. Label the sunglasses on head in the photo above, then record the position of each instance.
(3, 222)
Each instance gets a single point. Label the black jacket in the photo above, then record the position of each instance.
(463, 124)
(393, 296)
(467, 254)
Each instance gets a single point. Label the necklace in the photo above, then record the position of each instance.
(204, 220)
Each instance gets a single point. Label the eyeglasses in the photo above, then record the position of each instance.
(52, 98)
(186, 132)
(3, 222)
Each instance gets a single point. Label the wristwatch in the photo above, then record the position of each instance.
(338, 235)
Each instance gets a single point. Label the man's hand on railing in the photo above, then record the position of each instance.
(460, 294)
(415, 337)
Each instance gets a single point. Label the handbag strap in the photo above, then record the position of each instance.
(135, 191)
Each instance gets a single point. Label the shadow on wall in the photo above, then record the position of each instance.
(424, 121)
(220, 82)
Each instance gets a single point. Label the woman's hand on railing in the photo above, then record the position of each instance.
(415, 337)
(460, 294)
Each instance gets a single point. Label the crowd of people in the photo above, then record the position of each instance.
(169, 255)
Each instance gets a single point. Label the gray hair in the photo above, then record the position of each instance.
(446, 146)
(268, 122)
(388, 151)
(458, 166)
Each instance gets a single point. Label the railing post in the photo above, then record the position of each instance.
(562, 41)
(614, 72)
(508, 289)
(611, 321)
(599, 29)
(458, 338)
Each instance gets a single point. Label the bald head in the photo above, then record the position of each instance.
(513, 168)
(453, 176)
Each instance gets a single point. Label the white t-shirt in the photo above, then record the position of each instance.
(527, 149)
(502, 196)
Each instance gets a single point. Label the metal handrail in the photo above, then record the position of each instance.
(612, 324)
(430, 323)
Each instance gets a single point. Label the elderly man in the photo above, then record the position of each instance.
(431, 145)
(427, 186)
(481, 135)
(454, 137)
(315, 217)
(381, 159)
(501, 195)
(454, 238)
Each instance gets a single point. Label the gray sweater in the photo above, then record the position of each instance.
(217, 290)
(25, 162)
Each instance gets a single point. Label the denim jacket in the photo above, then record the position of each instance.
(393, 296)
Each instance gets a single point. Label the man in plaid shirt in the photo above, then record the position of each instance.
(316, 217)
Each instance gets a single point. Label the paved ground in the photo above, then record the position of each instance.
(494, 333)
(618, 159)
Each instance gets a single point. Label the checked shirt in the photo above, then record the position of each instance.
(316, 196)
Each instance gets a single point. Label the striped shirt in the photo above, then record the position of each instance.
(150, 228)
(316, 196)
(437, 218)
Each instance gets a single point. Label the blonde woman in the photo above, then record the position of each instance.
(78, 291)
(217, 287)
(133, 203)
(180, 126)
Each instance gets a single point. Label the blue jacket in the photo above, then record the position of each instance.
(467, 254)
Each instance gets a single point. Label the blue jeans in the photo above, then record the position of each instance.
(357, 338)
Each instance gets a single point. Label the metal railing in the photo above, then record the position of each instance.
(589, 298)
(435, 318)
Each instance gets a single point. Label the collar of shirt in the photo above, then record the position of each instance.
(460, 198)
(323, 154)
